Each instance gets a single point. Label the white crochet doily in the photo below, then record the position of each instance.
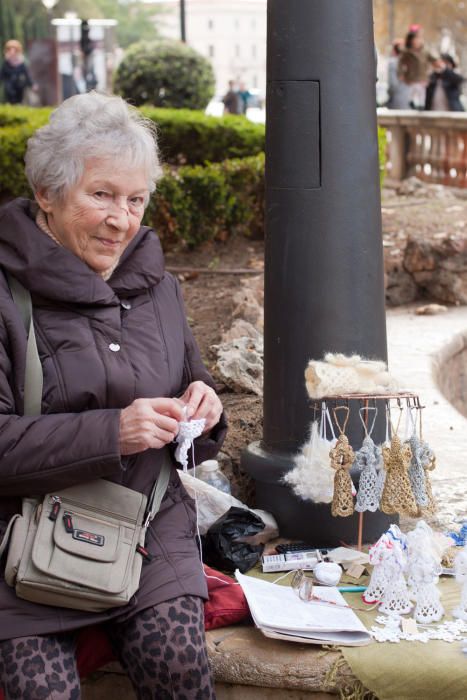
(390, 631)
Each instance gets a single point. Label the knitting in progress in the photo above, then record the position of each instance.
(189, 430)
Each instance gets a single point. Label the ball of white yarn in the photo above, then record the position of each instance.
(328, 573)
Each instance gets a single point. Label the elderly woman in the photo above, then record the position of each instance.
(119, 364)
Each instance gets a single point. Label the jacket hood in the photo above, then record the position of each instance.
(54, 272)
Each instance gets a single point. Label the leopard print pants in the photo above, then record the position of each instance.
(162, 649)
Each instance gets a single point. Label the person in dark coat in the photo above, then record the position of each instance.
(120, 364)
(443, 92)
(14, 73)
(231, 100)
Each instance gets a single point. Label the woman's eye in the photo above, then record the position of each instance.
(101, 195)
(137, 201)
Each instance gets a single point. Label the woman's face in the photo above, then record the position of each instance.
(100, 215)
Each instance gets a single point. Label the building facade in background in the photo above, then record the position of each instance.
(230, 33)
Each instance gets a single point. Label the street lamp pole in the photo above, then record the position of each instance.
(324, 288)
(182, 21)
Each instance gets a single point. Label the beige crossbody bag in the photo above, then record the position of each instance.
(81, 547)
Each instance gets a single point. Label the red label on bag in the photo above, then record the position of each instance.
(89, 537)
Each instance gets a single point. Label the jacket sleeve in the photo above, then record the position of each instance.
(206, 446)
(39, 453)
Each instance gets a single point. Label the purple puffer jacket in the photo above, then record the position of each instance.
(102, 345)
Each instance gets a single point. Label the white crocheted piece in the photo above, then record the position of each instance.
(338, 374)
(390, 631)
(460, 570)
(396, 596)
(388, 559)
(188, 431)
(312, 478)
(378, 580)
(367, 459)
(428, 606)
(424, 558)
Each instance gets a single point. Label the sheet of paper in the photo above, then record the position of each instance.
(279, 607)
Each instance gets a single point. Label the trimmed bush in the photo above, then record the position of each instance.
(190, 137)
(165, 73)
(197, 203)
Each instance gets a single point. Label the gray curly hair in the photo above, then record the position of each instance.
(88, 126)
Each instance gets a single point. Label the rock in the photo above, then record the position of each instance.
(249, 302)
(240, 364)
(430, 309)
(400, 287)
(241, 329)
(439, 266)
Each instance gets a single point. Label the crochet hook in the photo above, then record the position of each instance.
(351, 589)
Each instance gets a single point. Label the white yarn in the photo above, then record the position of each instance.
(188, 431)
(339, 374)
(328, 573)
(312, 477)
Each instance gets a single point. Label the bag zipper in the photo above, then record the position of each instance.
(58, 500)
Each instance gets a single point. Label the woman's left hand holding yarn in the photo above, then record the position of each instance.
(202, 402)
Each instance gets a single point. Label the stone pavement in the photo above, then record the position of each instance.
(247, 666)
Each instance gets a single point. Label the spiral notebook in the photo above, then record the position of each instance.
(279, 613)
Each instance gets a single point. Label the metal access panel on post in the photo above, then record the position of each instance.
(324, 288)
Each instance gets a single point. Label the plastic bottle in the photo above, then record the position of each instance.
(210, 473)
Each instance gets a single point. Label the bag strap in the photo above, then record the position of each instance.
(6, 536)
(34, 379)
(158, 490)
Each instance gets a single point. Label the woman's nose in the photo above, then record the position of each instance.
(119, 215)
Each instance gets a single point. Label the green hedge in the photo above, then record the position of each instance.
(191, 137)
(193, 203)
(199, 203)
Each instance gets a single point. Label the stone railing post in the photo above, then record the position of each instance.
(398, 150)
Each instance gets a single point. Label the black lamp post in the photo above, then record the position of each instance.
(182, 21)
(323, 246)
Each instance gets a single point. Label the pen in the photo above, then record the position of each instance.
(351, 589)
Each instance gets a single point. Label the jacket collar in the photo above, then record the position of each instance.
(54, 272)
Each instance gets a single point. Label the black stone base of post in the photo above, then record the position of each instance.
(304, 520)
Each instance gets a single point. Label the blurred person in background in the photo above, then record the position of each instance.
(231, 100)
(398, 90)
(244, 96)
(444, 86)
(14, 73)
(414, 65)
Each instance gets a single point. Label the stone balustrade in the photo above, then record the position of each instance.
(430, 145)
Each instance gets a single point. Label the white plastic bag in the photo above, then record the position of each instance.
(212, 504)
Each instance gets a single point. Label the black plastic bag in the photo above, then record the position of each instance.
(222, 545)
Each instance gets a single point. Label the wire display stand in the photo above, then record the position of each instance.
(412, 401)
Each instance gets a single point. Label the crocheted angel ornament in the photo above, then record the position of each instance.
(366, 460)
(460, 570)
(397, 496)
(378, 581)
(312, 477)
(423, 570)
(342, 457)
(422, 461)
(396, 600)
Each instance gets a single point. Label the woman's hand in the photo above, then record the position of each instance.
(202, 402)
(147, 423)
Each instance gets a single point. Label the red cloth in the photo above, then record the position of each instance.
(226, 606)
(227, 603)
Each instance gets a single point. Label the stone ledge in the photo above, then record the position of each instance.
(249, 666)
